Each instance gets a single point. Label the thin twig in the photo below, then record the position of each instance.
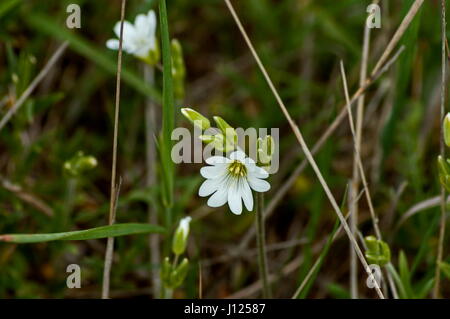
(27, 197)
(200, 280)
(114, 192)
(249, 253)
(358, 157)
(26, 94)
(419, 207)
(397, 35)
(355, 179)
(318, 261)
(437, 275)
(362, 174)
(303, 145)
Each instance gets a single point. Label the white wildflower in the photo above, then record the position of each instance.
(232, 180)
(138, 39)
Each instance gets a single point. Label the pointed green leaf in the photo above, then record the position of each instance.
(93, 233)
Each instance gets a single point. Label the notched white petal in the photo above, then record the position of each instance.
(259, 185)
(219, 198)
(112, 44)
(208, 187)
(213, 171)
(141, 24)
(249, 161)
(234, 199)
(128, 31)
(247, 195)
(238, 155)
(213, 160)
(151, 20)
(259, 172)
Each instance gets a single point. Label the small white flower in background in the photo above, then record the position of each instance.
(138, 39)
(232, 180)
(181, 235)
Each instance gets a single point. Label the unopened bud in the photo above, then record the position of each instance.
(377, 252)
(196, 118)
(181, 235)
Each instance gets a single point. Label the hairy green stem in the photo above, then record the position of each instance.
(150, 179)
(261, 241)
(437, 276)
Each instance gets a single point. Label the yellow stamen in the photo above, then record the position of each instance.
(237, 169)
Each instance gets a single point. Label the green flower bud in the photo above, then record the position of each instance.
(207, 138)
(266, 148)
(377, 252)
(181, 235)
(444, 170)
(79, 164)
(446, 126)
(180, 273)
(228, 131)
(196, 118)
(218, 141)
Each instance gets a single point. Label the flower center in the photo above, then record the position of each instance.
(237, 169)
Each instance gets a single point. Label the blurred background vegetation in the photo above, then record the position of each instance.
(301, 42)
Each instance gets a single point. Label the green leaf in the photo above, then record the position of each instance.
(46, 25)
(425, 289)
(168, 113)
(398, 281)
(93, 233)
(7, 5)
(445, 269)
(405, 275)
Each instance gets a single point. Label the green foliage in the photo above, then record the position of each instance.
(168, 114)
(300, 42)
(93, 233)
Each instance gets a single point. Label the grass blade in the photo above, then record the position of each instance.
(93, 233)
(168, 113)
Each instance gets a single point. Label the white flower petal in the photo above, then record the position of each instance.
(141, 24)
(208, 187)
(128, 31)
(238, 155)
(249, 161)
(213, 171)
(247, 195)
(234, 198)
(258, 185)
(143, 50)
(219, 198)
(184, 226)
(258, 172)
(112, 44)
(213, 160)
(151, 21)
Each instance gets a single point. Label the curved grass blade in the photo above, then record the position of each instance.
(92, 233)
